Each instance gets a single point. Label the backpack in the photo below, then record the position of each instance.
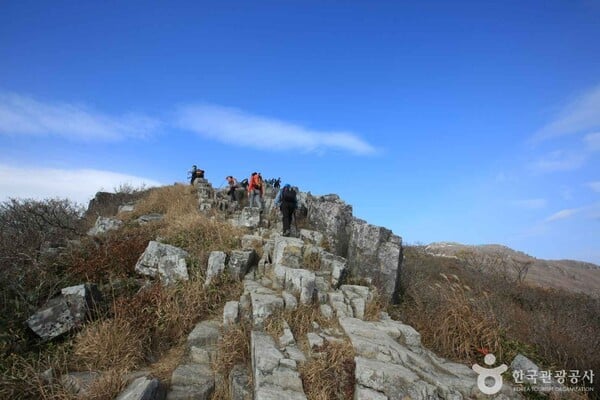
(288, 195)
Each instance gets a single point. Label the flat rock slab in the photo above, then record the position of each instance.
(143, 389)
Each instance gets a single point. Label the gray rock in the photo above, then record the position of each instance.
(146, 219)
(312, 237)
(65, 312)
(296, 280)
(289, 300)
(142, 389)
(375, 252)
(163, 261)
(274, 378)
(391, 360)
(126, 208)
(205, 333)
(78, 383)
(357, 297)
(527, 371)
(249, 217)
(264, 301)
(239, 383)
(326, 311)
(332, 217)
(314, 340)
(193, 375)
(216, 265)
(240, 262)
(104, 225)
(336, 266)
(203, 354)
(288, 251)
(231, 313)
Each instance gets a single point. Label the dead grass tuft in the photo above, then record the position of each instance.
(163, 368)
(330, 375)
(375, 306)
(312, 261)
(107, 386)
(300, 320)
(233, 348)
(110, 344)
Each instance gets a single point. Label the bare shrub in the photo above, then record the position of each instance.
(331, 374)
(113, 255)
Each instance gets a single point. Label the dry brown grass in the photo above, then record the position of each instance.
(375, 306)
(330, 375)
(107, 386)
(233, 348)
(110, 344)
(312, 261)
(199, 234)
(457, 315)
(20, 378)
(300, 320)
(173, 201)
(163, 368)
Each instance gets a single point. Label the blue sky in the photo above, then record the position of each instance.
(476, 122)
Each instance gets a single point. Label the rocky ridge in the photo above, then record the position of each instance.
(308, 270)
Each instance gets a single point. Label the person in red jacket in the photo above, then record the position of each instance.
(256, 189)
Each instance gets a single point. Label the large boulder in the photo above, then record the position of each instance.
(288, 251)
(332, 217)
(163, 261)
(65, 312)
(375, 252)
(240, 262)
(106, 204)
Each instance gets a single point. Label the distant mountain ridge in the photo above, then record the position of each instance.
(572, 275)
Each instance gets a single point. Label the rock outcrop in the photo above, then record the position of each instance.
(375, 253)
(163, 261)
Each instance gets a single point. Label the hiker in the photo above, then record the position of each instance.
(277, 183)
(233, 185)
(255, 190)
(287, 203)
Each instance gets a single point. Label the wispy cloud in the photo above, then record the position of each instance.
(563, 214)
(531, 204)
(581, 114)
(595, 186)
(79, 185)
(592, 141)
(560, 160)
(24, 115)
(237, 127)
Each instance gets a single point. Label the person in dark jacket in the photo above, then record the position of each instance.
(287, 203)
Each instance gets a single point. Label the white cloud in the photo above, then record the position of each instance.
(530, 203)
(236, 127)
(559, 160)
(592, 141)
(582, 114)
(79, 185)
(595, 186)
(563, 214)
(23, 115)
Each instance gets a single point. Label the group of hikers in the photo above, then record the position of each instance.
(285, 200)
